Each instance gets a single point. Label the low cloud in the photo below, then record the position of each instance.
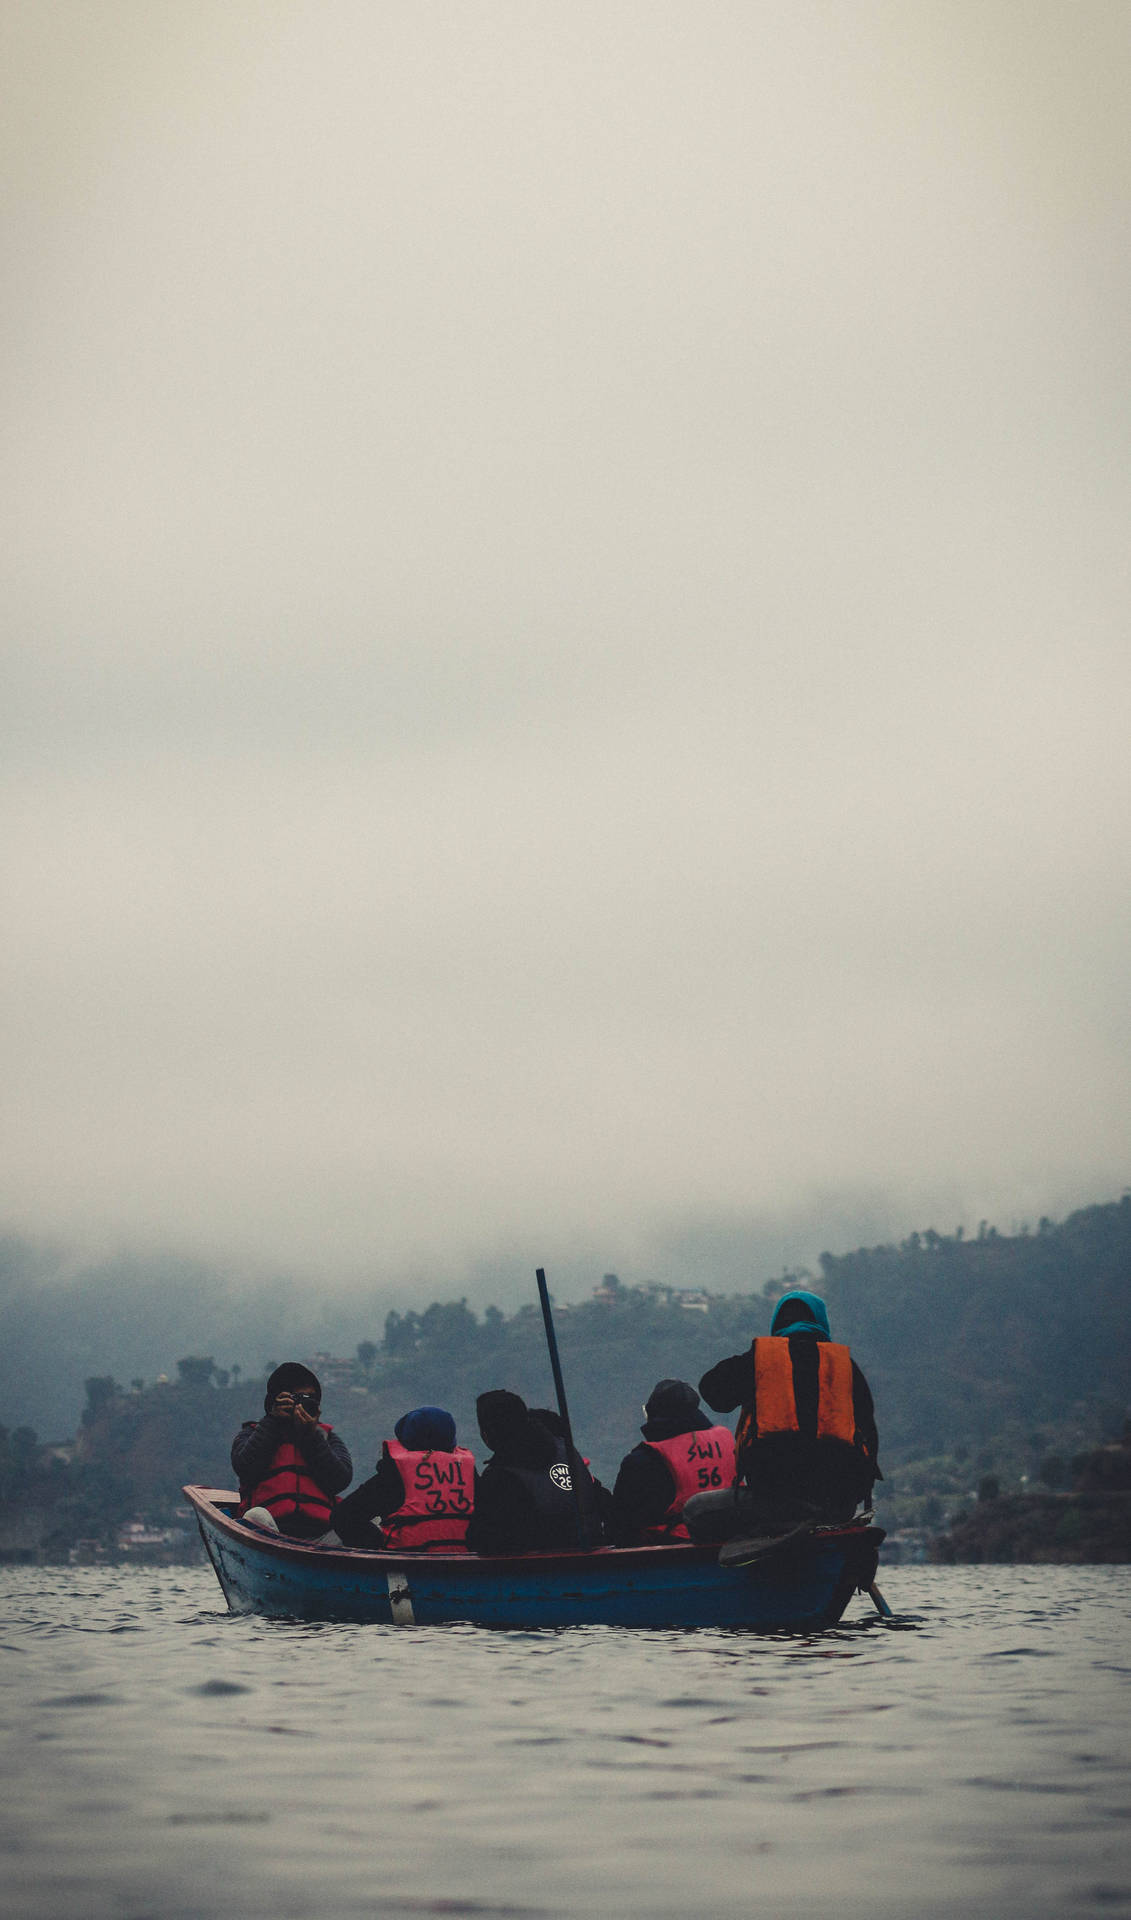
(567, 605)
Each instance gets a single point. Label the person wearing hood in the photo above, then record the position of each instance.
(422, 1496)
(291, 1465)
(525, 1497)
(806, 1440)
(681, 1454)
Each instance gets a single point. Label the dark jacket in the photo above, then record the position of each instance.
(327, 1458)
(519, 1505)
(356, 1515)
(797, 1469)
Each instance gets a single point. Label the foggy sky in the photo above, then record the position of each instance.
(566, 625)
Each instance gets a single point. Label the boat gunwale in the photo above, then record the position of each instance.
(205, 1504)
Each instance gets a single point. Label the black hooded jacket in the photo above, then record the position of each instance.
(519, 1505)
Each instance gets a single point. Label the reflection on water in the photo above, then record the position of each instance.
(164, 1761)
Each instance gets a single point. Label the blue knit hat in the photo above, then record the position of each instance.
(800, 1312)
(426, 1430)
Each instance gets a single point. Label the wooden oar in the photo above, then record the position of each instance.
(878, 1601)
(745, 1552)
(583, 1539)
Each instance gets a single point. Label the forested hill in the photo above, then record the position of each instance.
(1010, 1345)
(997, 1334)
(996, 1355)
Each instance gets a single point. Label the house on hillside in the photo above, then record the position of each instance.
(333, 1371)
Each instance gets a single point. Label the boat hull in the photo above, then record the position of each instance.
(681, 1585)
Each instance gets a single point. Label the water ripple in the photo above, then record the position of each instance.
(163, 1758)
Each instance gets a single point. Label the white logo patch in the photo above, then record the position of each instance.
(559, 1474)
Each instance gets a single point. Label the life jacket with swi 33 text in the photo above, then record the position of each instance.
(698, 1462)
(288, 1487)
(439, 1499)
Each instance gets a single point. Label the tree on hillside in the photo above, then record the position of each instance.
(402, 1333)
(448, 1328)
(196, 1371)
(19, 1454)
(93, 1501)
(100, 1390)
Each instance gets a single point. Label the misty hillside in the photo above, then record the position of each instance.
(991, 1354)
(1010, 1344)
(61, 1321)
(996, 1330)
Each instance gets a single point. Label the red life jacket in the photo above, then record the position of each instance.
(697, 1462)
(439, 1499)
(289, 1487)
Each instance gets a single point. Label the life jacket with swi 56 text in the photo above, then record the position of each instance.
(288, 1487)
(698, 1462)
(439, 1499)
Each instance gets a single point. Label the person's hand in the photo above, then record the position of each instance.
(283, 1406)
(304, 1419)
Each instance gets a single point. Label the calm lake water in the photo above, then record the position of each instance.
(162, 1759)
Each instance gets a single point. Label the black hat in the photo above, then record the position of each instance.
(671, 1400)
(502, 1417)
(291, 1377)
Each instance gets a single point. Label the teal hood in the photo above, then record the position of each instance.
(800, 1312)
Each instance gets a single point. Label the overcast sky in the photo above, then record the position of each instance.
(566, 589)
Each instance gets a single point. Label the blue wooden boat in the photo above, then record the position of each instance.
(807, 1585)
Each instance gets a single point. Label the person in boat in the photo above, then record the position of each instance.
(682, 1453)
(291, 1465)
(421, 1498)
(806, 1441)
(524, 1498)
(550, 1417)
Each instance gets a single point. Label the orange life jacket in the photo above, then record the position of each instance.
(775, 1405)
(439, 1499)
(289, 1487)
(697, 1462)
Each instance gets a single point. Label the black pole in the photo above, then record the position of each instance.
(559, 1388)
